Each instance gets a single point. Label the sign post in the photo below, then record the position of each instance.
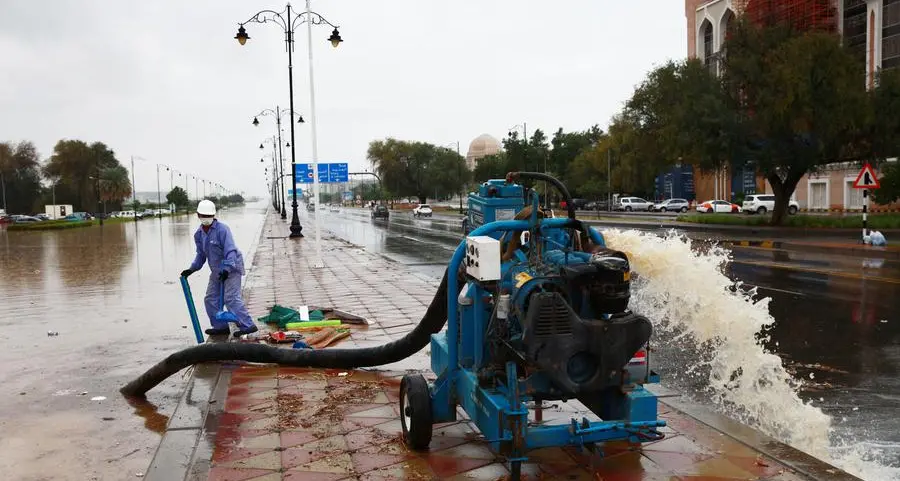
(866, 180)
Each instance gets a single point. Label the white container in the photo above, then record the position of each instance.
(483, 258)
(59, 211)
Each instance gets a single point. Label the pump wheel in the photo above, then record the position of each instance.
(415, 411)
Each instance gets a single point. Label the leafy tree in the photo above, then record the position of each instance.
(178, 196)
(492, 166)
(566, 148)
(21, 177)
(800, 102)
(884, 134)
(417, 169)
(78, 166)
(526, 154)
(890, 184)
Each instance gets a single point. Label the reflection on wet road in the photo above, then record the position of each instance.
(113, 295)
(838, 321)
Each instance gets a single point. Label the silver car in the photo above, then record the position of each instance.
(671, 205)
(629, 204)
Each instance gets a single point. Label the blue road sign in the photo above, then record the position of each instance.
(328, 173)
(290, 192)
(338, 173)
(348, 196)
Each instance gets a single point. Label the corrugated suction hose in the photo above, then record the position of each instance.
(432, 322)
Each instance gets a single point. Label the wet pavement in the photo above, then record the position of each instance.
(269, 423)
(837, 318)
(112, 294)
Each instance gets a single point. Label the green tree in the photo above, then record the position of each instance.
(800, 100)
(489, 167)
(21, 177)
(78, 166)
(115, 186)
(566, 147)
(890, 184)
(178, 196)
(417, 169)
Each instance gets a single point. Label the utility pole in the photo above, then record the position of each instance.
(158, 195)
(3, 182)
(133, 191)
(609, 179)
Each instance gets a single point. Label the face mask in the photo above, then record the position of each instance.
(206, 221)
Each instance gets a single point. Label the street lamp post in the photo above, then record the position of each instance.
(278, 113)
(289, 25)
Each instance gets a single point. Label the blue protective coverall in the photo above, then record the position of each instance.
(217, 247)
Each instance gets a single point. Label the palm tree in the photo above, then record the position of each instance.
(114, 184)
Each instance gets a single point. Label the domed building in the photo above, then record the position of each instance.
(483, 145)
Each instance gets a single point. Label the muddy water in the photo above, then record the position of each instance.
(112, 294)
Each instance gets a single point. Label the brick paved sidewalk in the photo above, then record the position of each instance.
(270, 423)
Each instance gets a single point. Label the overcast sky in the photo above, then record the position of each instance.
(165, 81)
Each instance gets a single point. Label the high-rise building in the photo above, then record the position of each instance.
(870, 28)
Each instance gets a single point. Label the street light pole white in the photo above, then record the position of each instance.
(320, 262)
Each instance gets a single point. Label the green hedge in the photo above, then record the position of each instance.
(876, 221)
(51, 225)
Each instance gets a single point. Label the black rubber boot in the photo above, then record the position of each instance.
(218, 332)
(249, 330)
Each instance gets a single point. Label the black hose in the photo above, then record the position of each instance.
(432, 322)
(548, 178)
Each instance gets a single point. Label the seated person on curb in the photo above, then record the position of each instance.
(216, 245)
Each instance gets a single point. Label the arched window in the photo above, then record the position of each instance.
(709, 46)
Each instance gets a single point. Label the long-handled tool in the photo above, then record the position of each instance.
(223, 316)
(192, 310)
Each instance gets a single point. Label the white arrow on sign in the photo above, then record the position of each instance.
(866, 179)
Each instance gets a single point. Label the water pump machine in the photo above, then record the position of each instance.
(538, 312)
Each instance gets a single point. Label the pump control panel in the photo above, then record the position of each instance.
(483, 258)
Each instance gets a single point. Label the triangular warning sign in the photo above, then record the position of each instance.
(866, 179)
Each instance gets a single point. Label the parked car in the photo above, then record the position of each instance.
(422, 210)
(24, 219)
(310, 207)
(78, 216)
(762, 203)
(42, 216)
(597, 205)
(671, 205)
(629, 204)
(718, 206)
(380, 212)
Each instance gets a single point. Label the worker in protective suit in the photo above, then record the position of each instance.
(216, 245)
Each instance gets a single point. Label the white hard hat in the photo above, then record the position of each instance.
(206, 207)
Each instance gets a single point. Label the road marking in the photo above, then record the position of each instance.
(827, 272)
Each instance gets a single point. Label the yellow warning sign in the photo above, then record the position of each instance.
(522, 278)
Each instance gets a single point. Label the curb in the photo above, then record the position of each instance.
(788, 232)
(859, 250)
(799, 461)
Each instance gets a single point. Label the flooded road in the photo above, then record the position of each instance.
(837, 320)
(112, 294)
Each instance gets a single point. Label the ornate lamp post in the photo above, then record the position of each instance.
(289, 21)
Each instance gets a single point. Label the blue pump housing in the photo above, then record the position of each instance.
(495, 200)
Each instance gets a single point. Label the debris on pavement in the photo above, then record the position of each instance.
(98, 398)
(52, 333)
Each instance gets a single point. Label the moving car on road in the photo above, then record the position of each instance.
(380, 212)
(762, 203)
(422, 210)
(311, 207)
(718, 206)
(629, 204)
(671, 205)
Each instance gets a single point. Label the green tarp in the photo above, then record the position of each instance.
(283, 315)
